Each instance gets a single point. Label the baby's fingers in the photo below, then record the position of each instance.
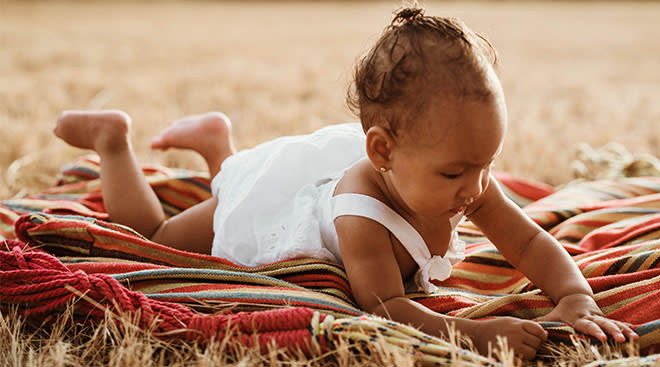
(619, 330)
(627, 330)
(599, 327)
(589, 327)
(611, 328)
(536, 330)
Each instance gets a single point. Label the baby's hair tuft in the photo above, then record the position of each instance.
(417, 55)
(407, 15)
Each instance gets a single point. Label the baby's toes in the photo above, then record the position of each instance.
(159, 142)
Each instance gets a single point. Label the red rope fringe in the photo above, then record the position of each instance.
(41, 284)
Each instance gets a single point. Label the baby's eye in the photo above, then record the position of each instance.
(451, 176)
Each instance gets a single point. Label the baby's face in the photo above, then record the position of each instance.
(441, 168)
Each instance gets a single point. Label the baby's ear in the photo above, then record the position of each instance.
(379, 147)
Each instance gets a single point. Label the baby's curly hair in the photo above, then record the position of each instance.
(418, 55)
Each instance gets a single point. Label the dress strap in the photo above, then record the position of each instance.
(369, 207)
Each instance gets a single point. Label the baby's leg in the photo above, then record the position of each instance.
(127, 196)
(208, 134)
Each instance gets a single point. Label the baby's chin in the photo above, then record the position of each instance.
(459, 210)
(440, 214)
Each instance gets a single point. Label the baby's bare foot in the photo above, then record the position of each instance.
(195, 132)
(102, 131)
(208, 134)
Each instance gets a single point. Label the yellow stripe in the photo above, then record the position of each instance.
(649, 261)
(481, 277)
(487, 309)
(613, 291)
(613, 307)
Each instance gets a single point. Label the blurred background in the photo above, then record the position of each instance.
(572, 72)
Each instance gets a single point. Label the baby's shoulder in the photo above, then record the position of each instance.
(361, 178)
(358, 234)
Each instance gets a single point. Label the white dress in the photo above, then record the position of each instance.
(273, 199)
(275, 202)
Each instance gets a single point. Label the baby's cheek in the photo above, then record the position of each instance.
(443, 198)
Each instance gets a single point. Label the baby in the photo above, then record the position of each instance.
(383, 198)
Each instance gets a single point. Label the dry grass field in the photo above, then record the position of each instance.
(572, 72)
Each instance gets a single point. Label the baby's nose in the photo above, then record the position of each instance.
(472, 190)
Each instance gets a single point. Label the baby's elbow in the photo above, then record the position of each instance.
(370, 307)
(378, 310)
(381, 308)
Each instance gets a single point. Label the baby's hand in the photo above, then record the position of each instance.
(524, 336)
(581, 312)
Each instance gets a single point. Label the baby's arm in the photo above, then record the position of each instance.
(542, 259)
(375, 279)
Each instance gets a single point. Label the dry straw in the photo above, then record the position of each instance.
(69, 339)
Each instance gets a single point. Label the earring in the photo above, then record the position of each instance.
(383, 169)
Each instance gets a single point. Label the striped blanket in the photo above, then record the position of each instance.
(611, 228)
